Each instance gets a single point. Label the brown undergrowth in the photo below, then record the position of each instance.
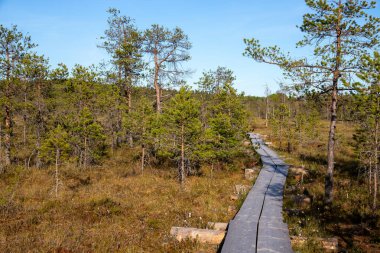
(351, 218)
(112, 208)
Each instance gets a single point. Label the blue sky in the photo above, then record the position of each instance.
(68, 30)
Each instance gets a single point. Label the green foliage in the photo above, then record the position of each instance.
(91, 136)
(183, 127)
(367, 136)
(281, 125)
(227, 123)
(13, 46)
(340, 32)
(56, 139)
(170, 48)
(213, 81)
(368, 106)
(60, 74)
(139, 121)
(93, 106)
(123, 42)
(358, 32)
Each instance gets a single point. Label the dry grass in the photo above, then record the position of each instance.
(110, 208)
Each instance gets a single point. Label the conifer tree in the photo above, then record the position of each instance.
(183, 124)
(340, 32)
(35, 72)
(91, 133)
(83, 124)
(123, 42)
(55, 147)
(227, 122)
(281, 126)
(13, 46)
(60, 73)
(110, 104)
(368, 116)
(139, 121)
(213, 81)
(168, 50)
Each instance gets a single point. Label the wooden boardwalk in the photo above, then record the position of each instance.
(259, 226)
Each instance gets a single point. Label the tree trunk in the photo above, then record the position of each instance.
(128, 97)
(38, 147)
(118, 128)
(158, 95)
(329, 181)
(156, 84)
(24, 117)
(85, 153)
(113, 142)
(1, 149)
(130, 140)
(330, 148)
(8, 119)
(38, 126)
(142, 157)
(375, 177)
(57, 154)
(370, 175)
(182, 167)
(280, 135)
(266, 111)
(7, 135)
(376, 169)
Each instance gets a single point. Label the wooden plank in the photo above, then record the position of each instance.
(208, 236)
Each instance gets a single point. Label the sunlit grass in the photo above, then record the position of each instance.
(351, 219)
(112, 208)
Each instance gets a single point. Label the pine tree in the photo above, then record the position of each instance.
(35, 72)
(368, 115)
(168, 50)
(123, 41)
(139, 123)
(54, 148)
(227, 123)
(92, 146)
(13, 47)
(183, 124)
(213, 81)
(110, 105)
(281, 127)
(340, 32)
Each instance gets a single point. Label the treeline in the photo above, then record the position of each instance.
(343, 37)
(295, 119)
(80, 116)
(292, 118)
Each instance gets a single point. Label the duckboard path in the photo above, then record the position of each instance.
(259, 226)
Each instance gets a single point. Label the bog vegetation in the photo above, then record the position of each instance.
(129, 144)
